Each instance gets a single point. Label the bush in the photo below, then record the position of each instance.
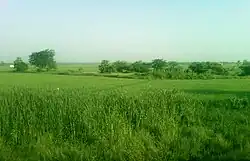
(81, 70)
(20, 66)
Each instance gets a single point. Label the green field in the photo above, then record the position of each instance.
(217, 88)
(63, 67)
(98, 118)
(91, 67)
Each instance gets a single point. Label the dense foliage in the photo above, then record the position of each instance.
(245, 67)
(159, 68)
(77, 124)
(43, 59)
(106, 67)
(20, 65)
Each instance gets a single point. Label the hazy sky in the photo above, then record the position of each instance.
(92, 30)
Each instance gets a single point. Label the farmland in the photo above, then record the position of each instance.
(98, 118)
(124, 80)
(227, 87)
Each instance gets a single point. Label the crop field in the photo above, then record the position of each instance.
(91, 67)
(52, 117)
(221, 88)
(62, 67)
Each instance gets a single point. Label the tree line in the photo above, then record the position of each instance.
(160, 68)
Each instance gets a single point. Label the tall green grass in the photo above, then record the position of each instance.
(77, 124)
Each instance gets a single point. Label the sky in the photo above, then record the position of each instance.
(92, 30)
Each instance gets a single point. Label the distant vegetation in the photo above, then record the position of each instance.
(20, 65)
(44, 61)
(163, 69)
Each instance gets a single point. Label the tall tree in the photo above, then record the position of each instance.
(43, 59)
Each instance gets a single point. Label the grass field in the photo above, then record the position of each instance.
(210, 88)
(91, 67)
(97, 118)
(62, 67)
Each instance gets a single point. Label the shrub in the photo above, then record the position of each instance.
(20, 66)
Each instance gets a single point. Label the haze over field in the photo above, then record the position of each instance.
(89, 31)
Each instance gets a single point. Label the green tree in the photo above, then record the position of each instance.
(216, 68)
(141, 67)
(158, 64)
(122, 66)
(245, 67)
(234, 69)
(199, 67)
(172, 66)
(20, 65)
(174, 70)
(106, 67)
(2, 63)
(43, 59)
